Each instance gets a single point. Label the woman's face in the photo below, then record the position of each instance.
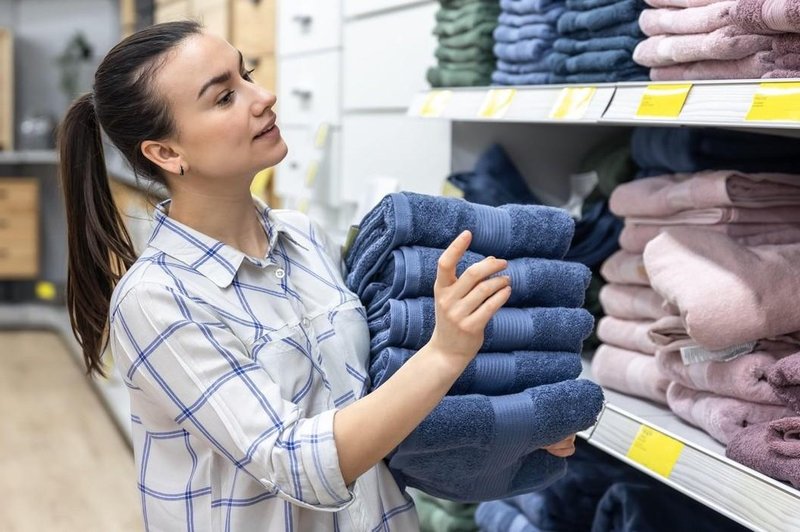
(225, 123)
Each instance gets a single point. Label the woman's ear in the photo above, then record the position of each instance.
(163, 156)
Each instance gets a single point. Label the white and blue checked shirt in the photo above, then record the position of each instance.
(235, 366)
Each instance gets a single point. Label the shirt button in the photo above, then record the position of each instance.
(280, 273)
(306, 323)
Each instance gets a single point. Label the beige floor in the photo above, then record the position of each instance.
(63, 465)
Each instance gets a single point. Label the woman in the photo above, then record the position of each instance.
(244, 353)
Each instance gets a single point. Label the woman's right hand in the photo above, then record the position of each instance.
(464, 305)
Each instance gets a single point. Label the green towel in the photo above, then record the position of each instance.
(468, 54)
(455, 4)
(479, 67)
(464, 24)
(445, 77)
(439, 515)
(452, 14)
(480, 35)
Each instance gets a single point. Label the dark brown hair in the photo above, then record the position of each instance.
(125, 106)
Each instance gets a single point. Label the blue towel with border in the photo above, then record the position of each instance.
(512, 34)
(636, 73)
(531, 78)
(630, 28)
(524, 7)
(548, 16)
(543, 66)
(569, 46)
(530, 50)
(591, 62)
(587, 5)
(601, 17)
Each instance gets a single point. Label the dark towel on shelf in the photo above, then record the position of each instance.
(452, 14)
(458, 77)
(569, 46)
(542, 66)
(587, 5)
(500, 516)
(771, 448)
(512, 34)
(630, 28)
(596, 236)
(548, 16)
(480, 35)
(525, 7)
(500, 77)
(636, 73)
(468, 54)
(490, 373)
(464, 24)
(522, 51)
(600, 18)
(404, 218)
(592, 62)
(409, 323)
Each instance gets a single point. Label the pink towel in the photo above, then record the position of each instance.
(784, 378)
(674, 21)
(744, 377)
(667, 195)
(627, 334)
(771, 448)
(630, 302)
(767, 16)
(629, 372)
(669, 332)
(782, 74)
(751, 67)
(721, 417)
(786, 44)
(634, 237)
(725, 215)
(788, 62)
(625, 268)
(681, 3)
(725, 43)
(726, 293)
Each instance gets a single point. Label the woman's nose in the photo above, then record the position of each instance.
(264, 99)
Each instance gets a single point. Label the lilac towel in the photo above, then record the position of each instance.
(784, 378)
(672, 21)
(624, 267)
(668, 195)
(683, 4)
(634, 237)
(725, 215)
(629, 372)
(744, 377)
(767, 16)
(782, 74)
(726, 43)
(755, 66)
(726, 293)
(630, 302)
(669, 332)
(627, 334)
(786, 44)
(721, 417)
(771, 448)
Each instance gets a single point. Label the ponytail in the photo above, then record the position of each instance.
(100, 249)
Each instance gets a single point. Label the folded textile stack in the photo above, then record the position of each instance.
(484, 440)
(464, 55)
(779, 19)
(596, 39)
(524, 40)
(439, 515)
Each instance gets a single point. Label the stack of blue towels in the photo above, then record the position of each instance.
(596, 42)
(524, 40)
(483, 441)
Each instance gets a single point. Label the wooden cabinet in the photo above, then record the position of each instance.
(215, 15)
(6, 90)
(253, 30)
(19, 228)
(169, 12)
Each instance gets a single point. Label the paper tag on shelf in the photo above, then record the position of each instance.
(321, 136)
(694, 354)
(311, 174)
(434, 103)
(655, 451)
(778, 101)
(572, 103)
(452, 191)
(663, 101)
(496, 103)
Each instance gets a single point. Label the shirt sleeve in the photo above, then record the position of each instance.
(183, 358)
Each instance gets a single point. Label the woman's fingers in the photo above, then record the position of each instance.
(480, 317)
(446, 269)
(563, 448)
(481, 292)
(476, 274)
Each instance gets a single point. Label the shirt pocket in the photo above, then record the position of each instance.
(349, 345)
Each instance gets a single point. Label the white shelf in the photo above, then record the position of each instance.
(29, 157)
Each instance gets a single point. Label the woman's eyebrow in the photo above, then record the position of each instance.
(222, 78)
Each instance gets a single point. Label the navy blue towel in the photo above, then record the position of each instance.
(544, 65)
(569, 46)
(630, 28)
(634, 73)
(523, 51)
(548, 16)
(587, 5)
(406, 218)
(596, 235)
(410, 272)
(526, 7)
(512, 34)
(409, 323)
(601, 17)
(490, 373)
(585, 62)
(500, 77)
(500, 516)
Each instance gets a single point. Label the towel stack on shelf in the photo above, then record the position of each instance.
(484, 439)
(524, 41)
(779, 19)
(596, 42)
(464, 55)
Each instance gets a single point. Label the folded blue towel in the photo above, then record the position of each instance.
(522, 51)
(601, 17)
(490, 373)
(532, 78)
(630, 28)
(548, 16)
(474, 447)
(410, 322)
(588, 62)
(512, 34)
(405, 218)
(586, 5)
(579, 46)
(596, 235)
(499, 516)
(635, 73)
(525, 7)
(410, 272)
(543, 65)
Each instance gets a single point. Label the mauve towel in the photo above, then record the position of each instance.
(490, 373)
(786, 44)
(548, 16)
(726, 43)
(631, 302)
(599, 18)
(726, 293)
(629, 372)
(627, 334)
(724, 215)
(683, 4)
(634, 237)
(671, 21)
(784, 378)
(668, 195)
(744, 377)
(788, 62)
(767, 16)
(500, 516)
(405, 218)
(721, 417)
(782, 74)
(624, 267)
(771, 448)
(752, 67)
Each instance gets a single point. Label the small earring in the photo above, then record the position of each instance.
(181, 169)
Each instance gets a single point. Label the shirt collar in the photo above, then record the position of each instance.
(215, 260)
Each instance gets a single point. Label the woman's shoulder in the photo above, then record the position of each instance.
(150, 273)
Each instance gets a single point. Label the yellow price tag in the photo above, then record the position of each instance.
(496, 103)
(452, 191)
(303, 205)
(322, 135)
(311, 173)
(45, 290)
(572, 103)
(663, 101)
(434, 103)
(655, 451)
(776, 102)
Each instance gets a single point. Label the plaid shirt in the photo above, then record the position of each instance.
(235, 367)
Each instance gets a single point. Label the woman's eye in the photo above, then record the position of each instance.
(225, 100)
(247, 76)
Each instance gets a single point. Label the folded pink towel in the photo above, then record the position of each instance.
(784, 378)
(625, 268)
(627, 334)
(767, 16)
(744, 377)
(771, 448)
(721, 417)
(675, 21)
(630, 302)
(726, 293)
(788, 43)
(788, 62)
(724, 215)
(681, 3)
(629, 372)
(782, 74)
(634, 237)
(670, 333)
(752, 67)
(667, 195)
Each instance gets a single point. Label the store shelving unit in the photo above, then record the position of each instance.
(28, 157)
